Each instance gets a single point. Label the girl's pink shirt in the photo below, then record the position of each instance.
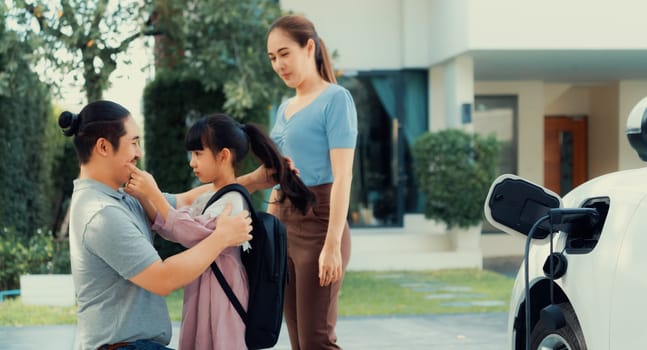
(209, 321)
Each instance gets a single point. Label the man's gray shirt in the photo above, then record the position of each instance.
(111, 242)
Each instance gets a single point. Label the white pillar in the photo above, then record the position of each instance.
(436, 98)
(459, 89)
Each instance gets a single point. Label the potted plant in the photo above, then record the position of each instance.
(454, 170)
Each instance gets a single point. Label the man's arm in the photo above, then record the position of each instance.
(163, 277)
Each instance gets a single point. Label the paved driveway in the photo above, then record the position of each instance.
(466, 332)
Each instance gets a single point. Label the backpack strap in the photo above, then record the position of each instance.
(214, 267)
(228, 188)
(230, 293)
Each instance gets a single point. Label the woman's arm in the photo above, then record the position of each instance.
(259, 179)
(330, 264)
(273, 206)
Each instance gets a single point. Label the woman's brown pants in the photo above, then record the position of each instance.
(310, 311)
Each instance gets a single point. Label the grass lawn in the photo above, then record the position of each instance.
(363, 293)
(420, 292)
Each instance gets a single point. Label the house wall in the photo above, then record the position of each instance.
(566, 100)
(392, 34)
(371, 34)
(449, 30)
(555, 24)
(603, 134)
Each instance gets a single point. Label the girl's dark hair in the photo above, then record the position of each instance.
(219, 131)
(99, 119)
(300, 29)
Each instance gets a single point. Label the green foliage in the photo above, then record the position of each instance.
(454, 170)
(26, 138)
(401, 293)
(407, 292)
(171, 103)
(14, 313)
(211, 58)
(223, 45)
(83, 38)
(37, 254)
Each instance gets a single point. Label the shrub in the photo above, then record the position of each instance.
(454, 170)
(38, 254)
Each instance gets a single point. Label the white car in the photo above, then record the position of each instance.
(595, 266)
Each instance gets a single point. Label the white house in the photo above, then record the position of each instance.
(554, 80)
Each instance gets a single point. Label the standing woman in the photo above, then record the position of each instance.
(317, 128)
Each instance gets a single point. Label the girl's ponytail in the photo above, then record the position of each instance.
(291, 185)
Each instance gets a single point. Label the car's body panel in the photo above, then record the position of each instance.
(606, 285)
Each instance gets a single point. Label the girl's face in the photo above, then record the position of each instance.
(206, 165)
(290, 61)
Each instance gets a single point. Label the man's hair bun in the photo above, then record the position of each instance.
(69, 122)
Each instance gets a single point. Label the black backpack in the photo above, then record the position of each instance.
(266, 266)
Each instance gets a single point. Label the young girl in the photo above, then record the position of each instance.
(317, 129)
(217, 144)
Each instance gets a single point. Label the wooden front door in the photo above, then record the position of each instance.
(565, 153)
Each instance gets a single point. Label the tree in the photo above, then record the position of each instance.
(222, 43)
(85, 38)
(211, 57)
(26, 127)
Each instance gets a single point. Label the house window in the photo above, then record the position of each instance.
(498, 115)
(392, 113)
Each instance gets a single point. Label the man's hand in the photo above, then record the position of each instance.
(233, 230)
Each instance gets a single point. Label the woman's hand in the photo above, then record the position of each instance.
(262, 178)
(330, 270)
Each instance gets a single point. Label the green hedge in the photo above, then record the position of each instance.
(454, 170)
(38, 254)
(170, 103)
(26, 134)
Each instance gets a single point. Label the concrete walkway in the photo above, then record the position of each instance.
(485, 331)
